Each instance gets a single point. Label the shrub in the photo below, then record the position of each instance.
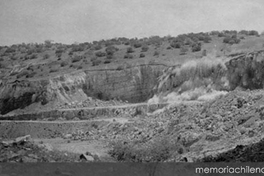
(107, 61)
(70, 53)
(100, 54)
(137, 45)
(76, 59)
(64, 63)
(33, 56)
(144, 48)
(196, 47)
(231, 40)
(77, 48)
(253, 32)
(139, 151)
(95, 62)
(97, 47)
(156, 53)
(142, 55)
(128, 56)
(52, 70)
(120, 67)
(109, 57)
(30, 75)
(59, 51)
(110, 50)
(46, 56)
(176, 44)
(221, 34)
(130, 50)
(48, 43)
(127, 43)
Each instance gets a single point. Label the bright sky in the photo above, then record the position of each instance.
(69, 21)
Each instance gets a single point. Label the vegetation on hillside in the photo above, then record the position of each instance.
(20, 61)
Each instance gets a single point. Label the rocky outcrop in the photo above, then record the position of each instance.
(208, 75)
(133, 84)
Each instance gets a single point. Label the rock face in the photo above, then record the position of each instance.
(132, 84)
(210, 75)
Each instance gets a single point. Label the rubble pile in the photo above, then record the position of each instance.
(23, 150)
(203, 129)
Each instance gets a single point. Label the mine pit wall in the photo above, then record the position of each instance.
(133, 84)
(244, 71)
(88, 114)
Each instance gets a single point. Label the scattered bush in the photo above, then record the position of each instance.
(137, 45)
(141, 55)
(95, 62)
(77, 48)
(110, 50)
(97, 47)
(196, 47)
(253, 32)
(120, 67)
(46, 56)
(231, 40)
(100, 54)
(31, 75)
(107, 61)
(144, 48)
(76, 59)
(156, 53)
(130, 50)
(128, 56)
(52, 70)
(33, 56)
(176, 44)
(64, 63)
(158, 150)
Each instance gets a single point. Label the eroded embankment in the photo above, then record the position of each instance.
(133, 84)
(209, 77)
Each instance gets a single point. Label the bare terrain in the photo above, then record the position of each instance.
(190, 98)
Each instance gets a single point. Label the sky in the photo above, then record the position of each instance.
(70, 21)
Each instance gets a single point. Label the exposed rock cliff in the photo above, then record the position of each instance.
(207, 77)
(132, 84)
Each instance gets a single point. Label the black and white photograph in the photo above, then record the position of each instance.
(131, 87)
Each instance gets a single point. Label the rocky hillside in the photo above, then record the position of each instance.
(51, 75)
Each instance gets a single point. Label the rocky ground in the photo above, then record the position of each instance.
(91, 102)
(208, 131)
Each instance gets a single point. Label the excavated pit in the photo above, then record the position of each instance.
(207, 127)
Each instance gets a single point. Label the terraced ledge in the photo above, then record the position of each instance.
(88, 113)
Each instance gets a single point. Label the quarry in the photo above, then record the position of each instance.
(204, 110)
